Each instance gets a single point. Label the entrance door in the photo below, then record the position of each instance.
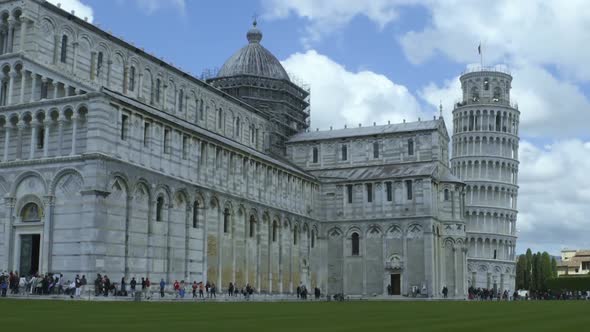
(396, 288)
(29, 254)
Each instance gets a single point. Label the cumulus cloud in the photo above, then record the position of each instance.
(554, 207)
(82, 10)
(327, 16)
(340, 96)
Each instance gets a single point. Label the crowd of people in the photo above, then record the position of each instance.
(44, 284)
(484, 294)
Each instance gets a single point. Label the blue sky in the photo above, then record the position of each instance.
(397, 59)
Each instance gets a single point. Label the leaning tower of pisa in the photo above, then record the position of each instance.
(485, 157)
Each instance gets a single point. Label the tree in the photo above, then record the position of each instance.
(528, 270)
(546, 272)
(553, 267)
(521, 272)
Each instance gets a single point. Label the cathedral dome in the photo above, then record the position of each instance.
(253, 59)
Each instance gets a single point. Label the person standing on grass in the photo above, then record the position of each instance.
(201, 288)
(3, 285)
(181, 290)
(148, 284)
(78, 285)
(207, 286)
(230, 289)
(162, 287)
(132, 285)
(176, 288)
(213, 290)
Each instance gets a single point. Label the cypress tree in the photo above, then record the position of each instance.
(528, 269)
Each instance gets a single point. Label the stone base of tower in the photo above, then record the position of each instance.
(491, 274)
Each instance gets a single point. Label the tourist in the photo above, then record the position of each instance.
(201, 288)
(181, 289)
(148, 284)
(78, 284)
(132, 285)
(230, 289)
(298, 291)
(207, 287)
(162, 287)
(123, 287)
(445, 291)
(213, 290)
(3, 285)
(176, 288)
(195, 286)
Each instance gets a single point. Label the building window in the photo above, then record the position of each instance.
(181, 100)
(389, 190)
(132, 78)
(158, 86)
(40, 138)
(486, 84)
(196, 214)
(369, 192)
(446, 194)
(4, 92)
(498, 122)
(375, 150)
(64, 49)
(312, 238)
(315, 155)
(146, 134)
(253, 135)
(410, 147)
(409, 189)
(349, 193)
(184, 147)
(44, 90)
(344, 152)
(355, 244)
(474, 94)
(159, 208)
(124, 125)
(219, 118)
(226, 215)
(274, 231)
(166, 140)
(99, 62)
(201, 110)
(295, 231)
(238, 127)
(495, 254)
(497, 93)
(252, 226)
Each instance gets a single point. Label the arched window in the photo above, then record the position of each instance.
(315, 155)
(252, 226)
(99, 62)
(132, 78)
(201, 110)
(344, 152)
(252, 134)
(312, 238)
(226, 225)
(410, 147)
(375, 150)
(159, 208)
(497, 93)
(220, 118)
(196, 214)
(446, 194)
(180, 100)
(274, 231)
(498, 122)
(486, 84)
(64, 49)
(355, 244)
(31, 213)
(238, 126)
(295, 231)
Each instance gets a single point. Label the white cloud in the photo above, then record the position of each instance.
(151, 6)
(82, 10)
(554, 195)
(327, 16)
(340, 96)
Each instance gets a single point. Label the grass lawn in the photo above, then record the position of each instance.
(21, 315)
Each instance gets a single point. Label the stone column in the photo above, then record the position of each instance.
(33, 86)
(60, 125)
(10, 45)
(55, 88)
(23, 32)
(140, 86)
(23, 81)
(74, 129)
(2, 40)
(34, 125)
(56, 42)
(19, 139)
(49, 202)
(109, 64)
(7, 128)
(47, 125)
(9, 202)
(11, 77)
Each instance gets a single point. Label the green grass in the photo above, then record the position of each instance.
(20, 315)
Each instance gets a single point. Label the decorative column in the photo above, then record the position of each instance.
(33, 87)
(47, 125)
(140, 86)
(23, 31)
(34, 125)
(10, 35)
(9, 203)
(20, 126)
(55, 88)
(49, 202)
(23, 81)
(60, 130)
(109, 64)
(7, 128)
(11, 76)
(74, 129)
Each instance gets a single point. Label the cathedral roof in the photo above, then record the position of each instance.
(365, 131)
(253, 59)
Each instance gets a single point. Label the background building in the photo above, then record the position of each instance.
(574, 262)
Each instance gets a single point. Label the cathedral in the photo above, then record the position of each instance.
(113, 161)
